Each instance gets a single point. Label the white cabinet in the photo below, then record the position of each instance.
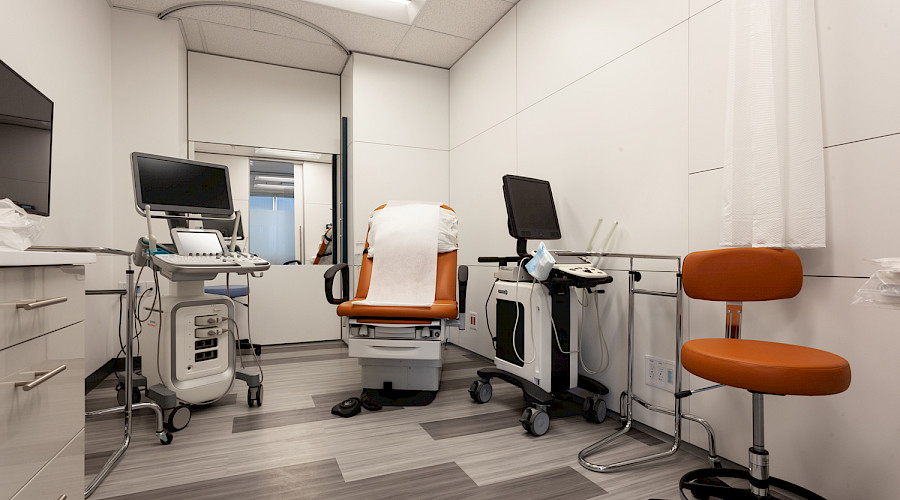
(42, 344)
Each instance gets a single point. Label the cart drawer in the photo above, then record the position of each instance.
(63, 477)
(38, 300)
(36, 424)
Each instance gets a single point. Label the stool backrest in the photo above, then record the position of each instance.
(742, 274)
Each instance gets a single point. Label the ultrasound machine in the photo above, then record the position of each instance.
(192, 335)
(536, 321)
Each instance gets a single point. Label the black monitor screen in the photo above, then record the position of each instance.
(26, 129)
(177, 185)
(529, 204)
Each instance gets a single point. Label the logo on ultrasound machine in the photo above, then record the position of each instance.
(504, 292)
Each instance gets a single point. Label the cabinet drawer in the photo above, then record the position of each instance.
(36, 424)
(394, 349)
(63, 477)
(36, 286)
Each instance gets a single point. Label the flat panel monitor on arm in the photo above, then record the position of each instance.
(181, 186)
(26, 130)
(531, 211)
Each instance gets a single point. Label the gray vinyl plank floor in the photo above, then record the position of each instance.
(292, 447)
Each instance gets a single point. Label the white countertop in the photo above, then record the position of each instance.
(17, 258)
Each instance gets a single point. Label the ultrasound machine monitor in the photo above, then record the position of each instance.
(181, 186)
(530, 207)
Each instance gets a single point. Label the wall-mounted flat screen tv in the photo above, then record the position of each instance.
(26, 129)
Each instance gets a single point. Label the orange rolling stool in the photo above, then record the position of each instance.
(734, 275)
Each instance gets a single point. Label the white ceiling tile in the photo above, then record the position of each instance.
(238, 17)
(464, 18)
(272, 49)
(193, 39)
(292, 7)
(278, 25)
(435, 49)
(356, 31)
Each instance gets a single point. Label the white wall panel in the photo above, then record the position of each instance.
(383, 173)
(252, 104)
(613, 146)
(482, 84)
(861, 212)
(698, 5)
(400, 103)
(476, 193)
(705, 201)
(64, 50)
(859, 44)
(708, 70)
(564, 40)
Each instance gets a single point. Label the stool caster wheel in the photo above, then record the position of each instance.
(165, 437)
(481, 391)
(254, 395)
(120, 395)
(178, 418)
(594, 409)
(536, 421)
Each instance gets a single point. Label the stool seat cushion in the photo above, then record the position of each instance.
(767, 367)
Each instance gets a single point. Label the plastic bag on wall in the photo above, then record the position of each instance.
(18, 230)
(882, 289)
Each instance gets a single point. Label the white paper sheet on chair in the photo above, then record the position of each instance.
(405, 271)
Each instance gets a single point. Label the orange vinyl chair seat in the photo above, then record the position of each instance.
(445, 305)
(441, 309)
(767, 367)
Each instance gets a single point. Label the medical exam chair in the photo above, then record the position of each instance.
(400, 348)
(733, 275)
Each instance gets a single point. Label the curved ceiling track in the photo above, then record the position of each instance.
(170, 10)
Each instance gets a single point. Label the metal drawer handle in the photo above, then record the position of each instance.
(42, 377)
(40, 303)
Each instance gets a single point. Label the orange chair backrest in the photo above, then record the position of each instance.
(445, 284)
(742, 274)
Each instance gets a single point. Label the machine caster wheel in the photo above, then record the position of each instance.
(165, 437)
(120, 395)
(536, 421)
(257, 349)
(594, 409)
(178, 418)
(481, 391)
(254, 395)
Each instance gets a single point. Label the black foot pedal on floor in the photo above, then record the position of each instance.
(370, 403)
(346, 408)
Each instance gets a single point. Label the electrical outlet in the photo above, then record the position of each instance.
(650, 370)
(473, 321)
(659, 373)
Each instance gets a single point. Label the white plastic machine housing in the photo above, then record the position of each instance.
(409, 357)
(195, 360)
(534, 316)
